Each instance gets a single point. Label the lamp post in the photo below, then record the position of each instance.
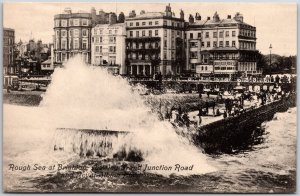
(270, 54)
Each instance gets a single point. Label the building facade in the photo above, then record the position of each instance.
(154, 43)
(8, 51)
(220, 47)
(108, 46)
(72, 36)
(73, 33)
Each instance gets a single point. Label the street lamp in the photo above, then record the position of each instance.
(270, 54)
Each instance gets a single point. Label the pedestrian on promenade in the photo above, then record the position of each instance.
(225, 114)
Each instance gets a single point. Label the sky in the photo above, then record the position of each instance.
(276, 23)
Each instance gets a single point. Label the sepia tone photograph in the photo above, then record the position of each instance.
(149, 97)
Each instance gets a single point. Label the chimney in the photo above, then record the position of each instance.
(198, 17)
(112, 18)
(142, 12)
(229, 17)
(181, 14)
(238, 17)
(191, 19)
(132, 14)
(68, 10)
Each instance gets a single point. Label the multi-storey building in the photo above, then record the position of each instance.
(220, 47)
(108, 46)
(73, 33)
(8, 51)
(154, 43)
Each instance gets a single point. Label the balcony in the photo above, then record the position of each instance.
(143, 49)
(143, 39)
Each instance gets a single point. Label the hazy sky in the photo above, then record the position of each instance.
(275, 23)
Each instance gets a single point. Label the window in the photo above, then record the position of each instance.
(63, 33)
(111, 48)
(156, 22)
(156, 32)
(202, 44)
(76, 22)
(100, 39)
(165, 43)
(137, 33)
(165, 33)
(173, 24)
(150, 23)
(150, 33)
(199, 35)
(57, 33)
(207, 34)
(227, 34)
(215, 35)
(84, 22)
(194, 44)
(221, 34)
(137, 24)
(178, 33)
(143, 23)
(97, 49)
(71, 33)
(76, 33)
(64, 23)
(165, 55)
(109, 32)
(227, 43)
(215, 44)
(111, 39)
(76, 43)
(84, 44)
(97, 40)
(233, 33)
(193, 55)
(116, 31)
(165, 23)
(208, 44)
(143, 33)
(221, 44)
(57, 23)
(130, 34)
(63, 44)
(84, 32)
(100, 49)
(191, 35)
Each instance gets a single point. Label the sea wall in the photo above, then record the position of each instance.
(187, 102)
(226, 134)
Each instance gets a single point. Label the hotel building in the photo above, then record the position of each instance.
(108, 46)
(222, 47)
(154, 43)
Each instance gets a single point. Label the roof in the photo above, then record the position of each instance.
(46, 62)
(151, 15)
(221, 22)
